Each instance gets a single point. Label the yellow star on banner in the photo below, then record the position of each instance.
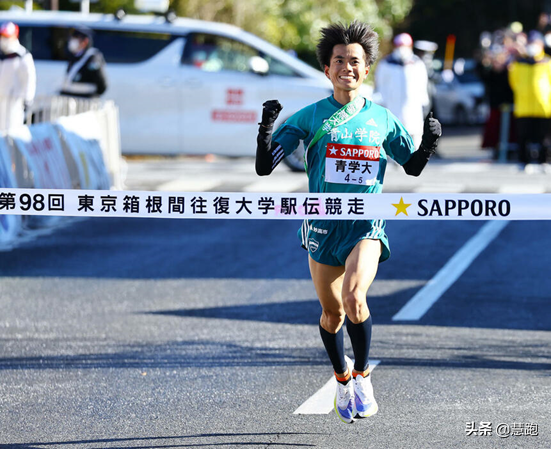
(401, 207)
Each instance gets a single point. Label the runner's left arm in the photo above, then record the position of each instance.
(432, 130)
(268, 153)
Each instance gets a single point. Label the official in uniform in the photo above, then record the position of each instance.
(85, 76)
(401, 84)
(17, 77)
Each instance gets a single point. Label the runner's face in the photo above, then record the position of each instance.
(347, 70)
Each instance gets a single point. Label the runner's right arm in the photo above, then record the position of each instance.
(268, 154)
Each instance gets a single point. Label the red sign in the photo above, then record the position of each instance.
(234, 96)
(353, 152)
(219, 115)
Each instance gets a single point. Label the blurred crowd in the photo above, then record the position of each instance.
(84, 78)
(515, 66)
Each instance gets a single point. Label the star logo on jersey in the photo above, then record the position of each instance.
(371, 122)
(333, 151)
(401, 207)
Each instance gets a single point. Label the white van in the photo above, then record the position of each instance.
(186, 87)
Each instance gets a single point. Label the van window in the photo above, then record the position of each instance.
(49, 43)
(44, 43)
(278, 68)
(129, 46)
(213, 53)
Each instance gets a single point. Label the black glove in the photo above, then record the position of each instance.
(432, 130)
(270, 111)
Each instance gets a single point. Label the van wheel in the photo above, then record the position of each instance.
(295, 161)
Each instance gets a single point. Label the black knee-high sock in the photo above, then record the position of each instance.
(360, 337)
(334, 345)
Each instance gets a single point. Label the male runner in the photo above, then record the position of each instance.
(344, 255)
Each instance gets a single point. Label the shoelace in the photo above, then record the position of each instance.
(363, 387)
(345, 395)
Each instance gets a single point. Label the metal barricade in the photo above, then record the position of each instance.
(49, 109)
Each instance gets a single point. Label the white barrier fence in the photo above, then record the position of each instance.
(74, 152)
(51, 108)
(286, 206)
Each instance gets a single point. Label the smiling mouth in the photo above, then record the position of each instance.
(346, 77)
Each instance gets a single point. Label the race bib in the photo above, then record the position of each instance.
(351, 164)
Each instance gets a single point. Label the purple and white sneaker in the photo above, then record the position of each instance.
(364, 399)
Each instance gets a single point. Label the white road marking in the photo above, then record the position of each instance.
(525, 188)
(440, 188)
(417, 306)
(466, 167)
(321, 402)
(188, 185)
(278, 184)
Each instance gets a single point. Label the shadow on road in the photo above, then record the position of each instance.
(134, 248)
(176, 354)
(209, 354)
(289, 312)
(203, 440)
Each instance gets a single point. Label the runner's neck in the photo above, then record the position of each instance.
(345, 97)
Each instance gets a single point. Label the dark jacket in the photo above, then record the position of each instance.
(85, 76)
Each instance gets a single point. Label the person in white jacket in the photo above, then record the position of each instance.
(401, 85)
(17, 77)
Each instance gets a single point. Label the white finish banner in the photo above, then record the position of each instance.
(290, 206)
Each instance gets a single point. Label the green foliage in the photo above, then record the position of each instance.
(289, 24)
(7, 5)
(111, 6)
(295, 24)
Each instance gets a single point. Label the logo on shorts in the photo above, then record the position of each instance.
(313, 245)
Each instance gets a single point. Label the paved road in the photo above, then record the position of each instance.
(149, 333)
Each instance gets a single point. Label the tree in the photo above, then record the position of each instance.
(289, 24)
(295, 24)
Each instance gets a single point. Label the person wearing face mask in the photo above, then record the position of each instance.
(530, 80)
(401, 85)
(17, 77)
(85, 76)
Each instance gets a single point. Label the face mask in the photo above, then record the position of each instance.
(73, 45)
(533, 50)
(7, 45)
(403, 53)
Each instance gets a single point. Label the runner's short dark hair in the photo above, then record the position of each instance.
(355, 33)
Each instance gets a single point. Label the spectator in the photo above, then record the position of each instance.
(544, 27)
(85, 75)
(401, 85)
(492, 69)
(17, 77)
(425, 50)
(530, 80)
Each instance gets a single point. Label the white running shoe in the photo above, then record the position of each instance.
(344, 398)
(364, 399)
